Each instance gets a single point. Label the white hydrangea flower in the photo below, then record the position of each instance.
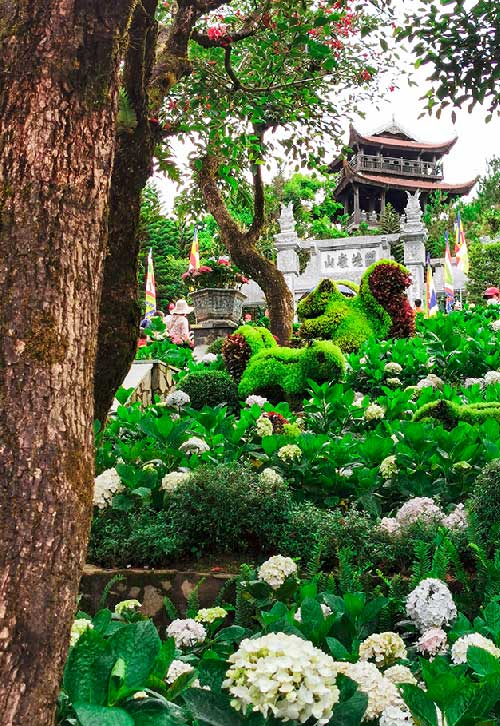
(290, 453)
(384, 648)
(460, 648)
(276, 569)
(388, 467)
(462, 466)
(177, 668)
(394, 382)
(194, 445)
(358, 399)
(270, 477)
(283, 676)
(430, 605)
(495, 325)
(177, 399)
(419, 509)
(138, 695)
(186, 633)
(393, 367)
(80, 625)
(396, 716)
(457, 519)
(430, 381)
(400, 674)
(125, 605)
(324, 609)
(345, 471)
(380, 691)
(363, 361)
(373, 412)
(106, 485)
(263, 427)
(208, 358)
(174, 479)
(491, 377)
(255, 400)
(433, 642)
(209, 615)
(390, 525)
(469, 382)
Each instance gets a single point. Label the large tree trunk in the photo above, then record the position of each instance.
(120, 314)
(241, 246)
(58, 85)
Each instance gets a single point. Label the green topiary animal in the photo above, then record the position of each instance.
(381, 308)
(450, 413)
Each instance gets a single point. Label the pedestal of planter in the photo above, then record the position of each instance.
(218, 312)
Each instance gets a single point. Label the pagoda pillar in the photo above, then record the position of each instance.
(382, 201)
(355, 190)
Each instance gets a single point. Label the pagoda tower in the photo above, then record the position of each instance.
(381, 167)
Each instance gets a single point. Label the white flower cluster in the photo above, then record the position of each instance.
(186, 633)
(174, 479)
(176, 670)
(469, 382)
(270, 477)
(78, 628)
(194, 445)
(276, 569)
(393, 368)
(384, 648)
(209, 615)
(388, 467)
(358, 399)
(430, 381)
(460, 648)
(373, 411)
(285, 676)
(432, 642)
(324, 609)
(125, 605)
(400, 674)
(380, 691)
(255, 400)
(491, 377)
(106, 485)
(208, 358)
(396, 716)
(290, 453)
(425, 511)
(177, 399)
(495, 325)
(263, 427)
(430, 605)
(393, 382)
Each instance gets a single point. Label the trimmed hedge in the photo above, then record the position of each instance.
(450, 413)
(210, 388)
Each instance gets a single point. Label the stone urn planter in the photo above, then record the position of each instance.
(221, 304)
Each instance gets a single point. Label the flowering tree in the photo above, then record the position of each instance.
(227, 75)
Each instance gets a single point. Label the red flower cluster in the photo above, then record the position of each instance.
(219, 33)
(388, 284)
(278, 421)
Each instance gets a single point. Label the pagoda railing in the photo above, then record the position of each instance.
(397, 166)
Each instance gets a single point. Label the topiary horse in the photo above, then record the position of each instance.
(381, 309)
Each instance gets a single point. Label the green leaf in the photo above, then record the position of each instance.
(233, 634)
(123, 394)
(482, 662)
(101, 716)
(212, 709)
(338, 651)
(88, 668)
(422, 708)
(155, 712)
(212, 673)
(351, 712)
(138, 644)
(164, 659)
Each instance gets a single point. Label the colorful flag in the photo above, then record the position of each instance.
(194, 255)
(461, 251)
(431, 306)
(448, 277)
(150, 288)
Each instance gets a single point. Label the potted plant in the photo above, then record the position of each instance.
(216, 292)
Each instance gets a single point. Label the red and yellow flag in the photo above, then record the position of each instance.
(150, 288)
(194, 255)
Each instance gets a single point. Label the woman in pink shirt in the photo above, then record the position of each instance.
(178, 326)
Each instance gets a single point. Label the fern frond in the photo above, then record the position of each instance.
(103, 600)
(127, 118)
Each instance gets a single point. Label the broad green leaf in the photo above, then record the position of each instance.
(338, 651)
(138, 644)
(482, 662)
(88, 668)
(351, 712)
(101, 716)
(213, 709)
(422, 708)
(155, 712)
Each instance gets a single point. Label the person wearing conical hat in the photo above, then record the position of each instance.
(178, 325)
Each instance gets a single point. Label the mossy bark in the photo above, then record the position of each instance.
(59, 65)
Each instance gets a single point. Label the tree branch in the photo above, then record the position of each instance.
(255, 229)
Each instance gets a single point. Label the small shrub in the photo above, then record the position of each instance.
(236, 353)
(450, 413)
(215, 346)
(227, 509)
(210, 388)
(138, 538)
(484, 505)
